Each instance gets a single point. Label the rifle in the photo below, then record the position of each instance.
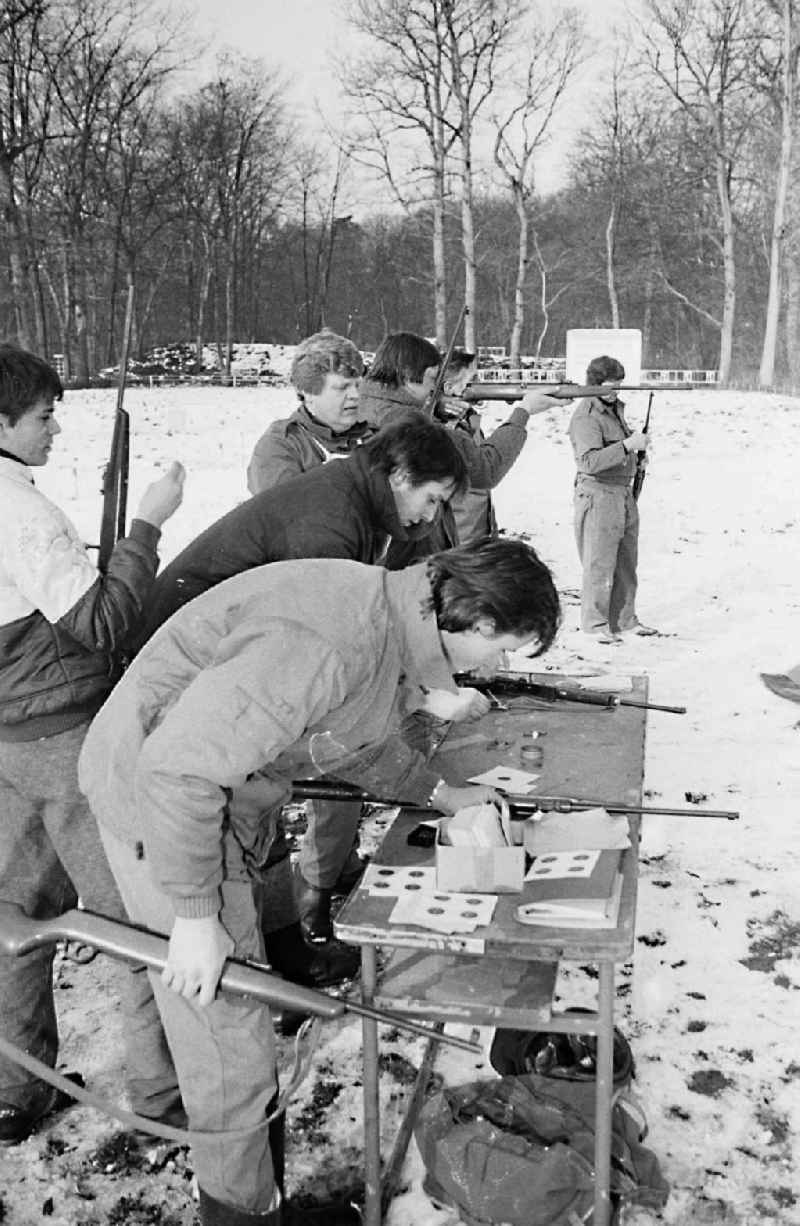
(523, 683)
(519, 806)
(436, 390)
(115, 474)
(514, 390)
(641, 457)
(19, 934)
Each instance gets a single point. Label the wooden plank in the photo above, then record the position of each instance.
(475, 990)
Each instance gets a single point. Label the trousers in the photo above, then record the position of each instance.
(50, 856)
(607, 536)
(224, 1053)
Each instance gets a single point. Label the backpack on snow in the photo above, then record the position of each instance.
(520, 1151)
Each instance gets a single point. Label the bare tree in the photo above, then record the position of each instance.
(478, 33)
(785, 76)
(706, 68)
(404, 97)
(520, 132)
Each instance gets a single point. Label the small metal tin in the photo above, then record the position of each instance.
(531, 755)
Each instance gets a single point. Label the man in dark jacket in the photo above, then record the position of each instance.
(60, 622)
(389, 490)
(326, 371)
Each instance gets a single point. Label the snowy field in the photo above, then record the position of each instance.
(711, 1003)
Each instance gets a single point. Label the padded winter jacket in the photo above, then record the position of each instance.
(274, 671)
(60, 621)
(295, 445)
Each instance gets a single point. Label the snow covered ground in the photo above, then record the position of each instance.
(711, 1003)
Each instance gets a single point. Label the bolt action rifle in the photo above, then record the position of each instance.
(523, 683)
(519, 806)
(641, 457)
(514, 390)
(116, 472)
(436, 391)
(20, 934)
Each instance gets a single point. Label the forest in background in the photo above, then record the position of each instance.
(679, 215)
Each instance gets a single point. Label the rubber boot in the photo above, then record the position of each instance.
(310, 965)
(314, 905)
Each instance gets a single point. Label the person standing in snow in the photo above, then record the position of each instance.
(606, 515)
(60, 623)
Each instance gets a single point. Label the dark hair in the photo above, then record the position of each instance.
(499, 578)
(603, 368)
(402, 357)
(24, 379)
(424, 449)
(460, 359)
(321, 354)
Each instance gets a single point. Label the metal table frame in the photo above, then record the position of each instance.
(588, 752)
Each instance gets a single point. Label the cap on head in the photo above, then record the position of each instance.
(604, 370)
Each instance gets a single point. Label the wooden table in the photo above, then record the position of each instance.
(504, 973)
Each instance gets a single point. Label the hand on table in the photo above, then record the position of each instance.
(467, 703)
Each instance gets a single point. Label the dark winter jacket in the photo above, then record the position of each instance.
(293, 446)
(60, 621)
(338, 510)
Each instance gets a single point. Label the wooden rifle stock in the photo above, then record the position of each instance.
(116, 473)
(20, 934)
(641, 457)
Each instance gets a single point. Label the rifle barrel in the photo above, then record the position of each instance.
(520, 683)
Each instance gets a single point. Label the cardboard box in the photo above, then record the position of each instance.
(480, 870)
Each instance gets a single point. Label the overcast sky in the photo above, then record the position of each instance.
(304, 38)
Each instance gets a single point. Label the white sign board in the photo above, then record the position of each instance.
(624, 344)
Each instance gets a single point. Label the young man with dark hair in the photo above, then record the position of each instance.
(325, 374)
(389, 489)
(247, 679)
(60, 625)
(606, 515)
(404, 374)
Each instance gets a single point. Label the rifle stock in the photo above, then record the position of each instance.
(641, 457)
(20, 934)
(116, 472)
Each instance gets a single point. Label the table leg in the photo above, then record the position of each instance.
(604, 1095)
(372, 1136)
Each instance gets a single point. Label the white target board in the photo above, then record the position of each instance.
(624, 344)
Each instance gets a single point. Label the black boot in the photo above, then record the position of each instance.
(313, 966)
(215, 1212)
(314, 905)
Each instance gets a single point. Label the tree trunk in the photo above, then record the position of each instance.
(611, 281)
(766, 374)
(792, 321)
(520, 205)
(729, 265)
(439, 276)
